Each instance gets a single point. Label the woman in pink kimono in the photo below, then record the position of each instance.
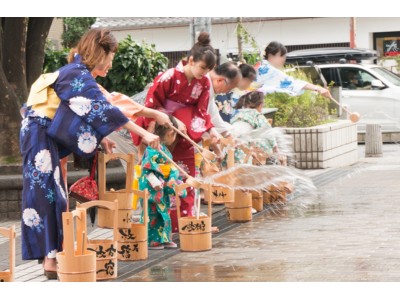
(184, 92)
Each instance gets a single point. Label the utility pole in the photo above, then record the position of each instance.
(199, 25)
(353, 32)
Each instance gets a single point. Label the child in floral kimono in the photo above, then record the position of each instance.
(248, 118)
(160, 177)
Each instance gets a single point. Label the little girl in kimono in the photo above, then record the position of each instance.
(248, 118)
(159, 178)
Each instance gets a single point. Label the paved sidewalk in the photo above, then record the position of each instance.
(350, 233)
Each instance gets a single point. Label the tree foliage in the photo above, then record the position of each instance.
(74, 28)
(306, 110)
(54, 59)
(134, 66)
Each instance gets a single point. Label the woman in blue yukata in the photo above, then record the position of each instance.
(66, 112)
(271, 79)
(159, 177)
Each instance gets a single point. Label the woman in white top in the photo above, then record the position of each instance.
(270, 77)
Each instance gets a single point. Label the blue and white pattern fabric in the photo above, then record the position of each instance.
(272, 80)
(84, 116)
(90, 117)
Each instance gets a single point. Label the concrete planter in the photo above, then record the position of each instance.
(325, 146)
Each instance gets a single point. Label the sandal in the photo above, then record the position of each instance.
(50, 274)
(214, 229)
(155, 246)
(170, 245)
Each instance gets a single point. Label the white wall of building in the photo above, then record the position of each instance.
(367, 26)
(288, 32)
(165, 39)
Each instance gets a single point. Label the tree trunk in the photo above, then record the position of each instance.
(9, 118)
(38, 30)
(21, 56)
(14, 63)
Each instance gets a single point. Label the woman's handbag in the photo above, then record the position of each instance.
(85, 189)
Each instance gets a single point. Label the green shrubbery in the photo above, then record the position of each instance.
(54, 59)
(306, 110)
(134, 66)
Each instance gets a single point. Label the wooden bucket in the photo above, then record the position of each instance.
(194, 234)
(8, 275)
(124, 197)
(75, 265)
(219, 195)
(275, 194)
(132, 241)
(240, 209)
(257, 200)
(105, 250)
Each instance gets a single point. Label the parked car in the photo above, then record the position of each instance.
(367, 88)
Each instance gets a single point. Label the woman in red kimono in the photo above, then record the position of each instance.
(184, 92)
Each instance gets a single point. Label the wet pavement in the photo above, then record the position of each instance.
(350, 232)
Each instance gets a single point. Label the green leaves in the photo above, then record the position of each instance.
(306, 110)
(134, 66)
(74, 28)
(54, 59)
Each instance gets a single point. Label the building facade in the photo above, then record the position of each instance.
(174, 35)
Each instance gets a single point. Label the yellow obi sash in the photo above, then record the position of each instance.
(165, 169)
(43, 98)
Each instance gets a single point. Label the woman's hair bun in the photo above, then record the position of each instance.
(204, 39)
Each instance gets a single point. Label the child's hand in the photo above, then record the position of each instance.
(171, 183)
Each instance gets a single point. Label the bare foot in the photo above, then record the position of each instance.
(214, 229)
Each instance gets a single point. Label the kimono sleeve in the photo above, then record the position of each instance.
(76, 86)
(125, 104)
(150, 161)
(174, 175)
(273, 80)
(202, 105)
(160, 89)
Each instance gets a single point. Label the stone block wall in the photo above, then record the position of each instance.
(11, 190)
(325, 146)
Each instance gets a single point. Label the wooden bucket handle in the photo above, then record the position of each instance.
(227, 141)
(10, 234)
(207, 189)
(104, 158)
(178, 189)
(68, 228)
(145, 196)
(111, 205)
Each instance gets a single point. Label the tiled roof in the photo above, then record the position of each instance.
(140, 23)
